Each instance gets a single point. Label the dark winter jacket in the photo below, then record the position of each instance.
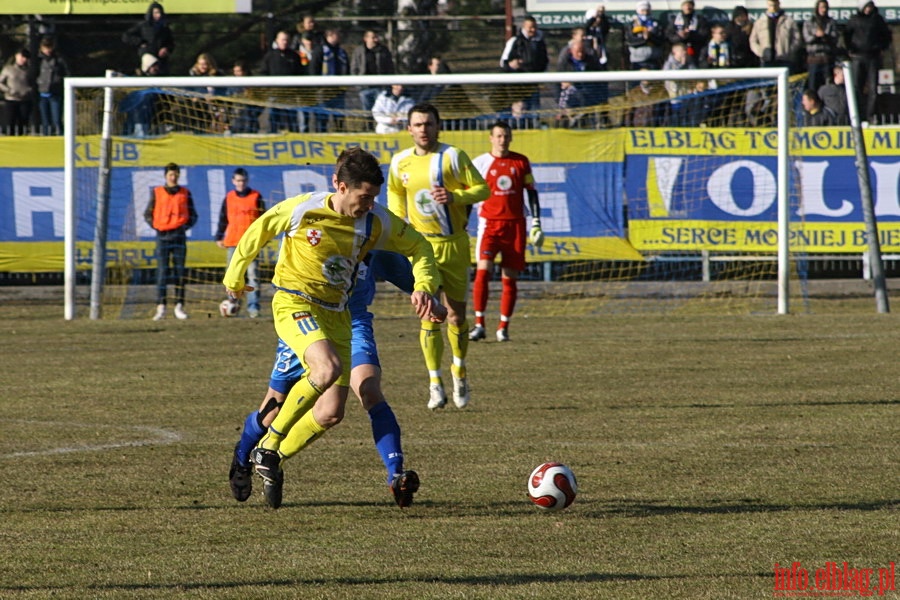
(150, 36)
(531, 52)
(866, 36)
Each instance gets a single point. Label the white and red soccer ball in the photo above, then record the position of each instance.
(229, 308)
(552, 486)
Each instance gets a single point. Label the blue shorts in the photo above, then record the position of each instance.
(287, 369)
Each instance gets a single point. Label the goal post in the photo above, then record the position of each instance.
(202, 119)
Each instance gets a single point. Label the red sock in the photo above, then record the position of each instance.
(480, 290)
(508, 299)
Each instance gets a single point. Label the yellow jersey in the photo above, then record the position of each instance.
(322, 249)
(411, 178)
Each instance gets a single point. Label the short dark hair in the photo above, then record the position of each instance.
(171, 167)
(502, 125)
(355, 166)
(426, 108)
(240, 172)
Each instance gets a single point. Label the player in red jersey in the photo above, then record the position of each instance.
(501, 226)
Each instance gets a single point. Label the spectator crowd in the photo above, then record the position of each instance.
(32, 82)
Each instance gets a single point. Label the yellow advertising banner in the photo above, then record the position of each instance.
(120, 7)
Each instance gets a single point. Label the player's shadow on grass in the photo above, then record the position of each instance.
(493, 580)
(656, 509)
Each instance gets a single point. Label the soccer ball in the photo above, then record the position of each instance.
(229, 307)
(552, 486)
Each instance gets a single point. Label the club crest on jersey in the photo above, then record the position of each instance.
(504, 182)
(313, 236)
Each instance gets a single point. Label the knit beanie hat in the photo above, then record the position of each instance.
(642, 5)
(147, 61)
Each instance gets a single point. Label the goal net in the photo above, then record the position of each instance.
(660, 191)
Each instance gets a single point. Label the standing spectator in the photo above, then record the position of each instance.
(677, 61)
(866, 37)
(307, 27)
(204, 115)
(281, 60)
(306, 50)
(390, 110)
(596, 30)
(372, 58)
(577, 38)
(775, 38)
(648, 102)
(526, 52)
(571, 97)
(737, 32)
(49, 70)
(718, 52)
(690, 29)
(241, 206)
(820, 34)
(431, 185)
(644, 39)
(436, 66)
(153, 36)
(815, 114)
(834, 96)
(501, 227)
(18, 96)
(171, 213)
(578, 60)
(245, 116)
(329, 59)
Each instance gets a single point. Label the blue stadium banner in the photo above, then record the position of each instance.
(580, 183)
(715, 189)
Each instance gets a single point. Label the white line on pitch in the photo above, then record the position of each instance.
(161, 436)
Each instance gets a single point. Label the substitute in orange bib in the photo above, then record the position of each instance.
(171, 213)
(501, 227)
(242, 206)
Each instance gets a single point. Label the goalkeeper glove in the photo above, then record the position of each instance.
(536, 236)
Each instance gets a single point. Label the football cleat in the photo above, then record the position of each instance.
(502, 335)
(240, 478)
(404, 486)
(160, 312)
(272, 490)
(438, 398)
(460, 392)
(477, 333)
(267, 463)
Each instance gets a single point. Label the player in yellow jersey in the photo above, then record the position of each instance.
(326, 236)
(432, 185)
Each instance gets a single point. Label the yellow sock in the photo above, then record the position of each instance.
(459, 345)
(299, 400)
(432, 343)
(305, 432)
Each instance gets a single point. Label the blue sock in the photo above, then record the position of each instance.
(386, 432)
(251, 434)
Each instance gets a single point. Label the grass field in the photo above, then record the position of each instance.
(707, 449)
